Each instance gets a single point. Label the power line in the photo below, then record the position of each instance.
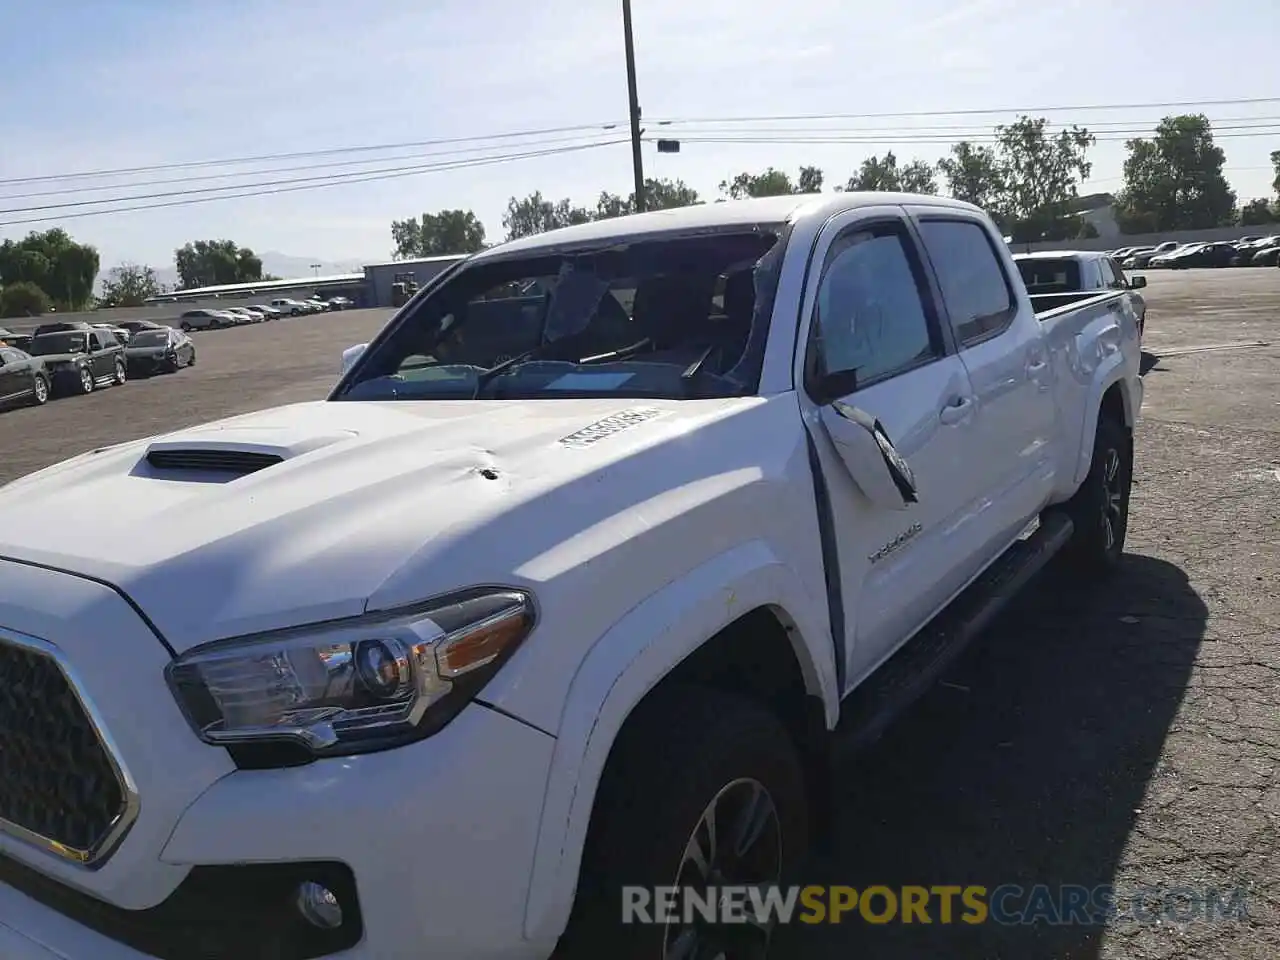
(1076, 108)
(64, 191)
(922, 134)
(332, 151)
(918, 140)
(337, 180)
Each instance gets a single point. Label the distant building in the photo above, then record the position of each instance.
(378, 277)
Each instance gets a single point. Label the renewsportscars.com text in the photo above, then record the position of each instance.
(1007, 904)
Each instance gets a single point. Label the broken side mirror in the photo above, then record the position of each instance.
(351, 355)
(866, 450)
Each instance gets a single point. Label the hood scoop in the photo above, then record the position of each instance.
(231, 452)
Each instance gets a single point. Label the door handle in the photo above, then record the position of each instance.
(1039, 366)
(956, 410)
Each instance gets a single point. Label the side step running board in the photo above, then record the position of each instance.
(869, 710)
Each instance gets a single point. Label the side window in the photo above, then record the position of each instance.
(1113, 275)
(974, 285)
(870, 316)
(8, 356)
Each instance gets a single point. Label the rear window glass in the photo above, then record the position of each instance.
(1050, 276)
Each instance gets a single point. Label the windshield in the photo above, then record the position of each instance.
(150, 338)
(1050, 276)
(675, 317)
(48, 344)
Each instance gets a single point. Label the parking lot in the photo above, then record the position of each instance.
(1128, 737)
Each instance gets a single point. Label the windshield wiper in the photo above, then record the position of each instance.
(689, 377)
(497, 370)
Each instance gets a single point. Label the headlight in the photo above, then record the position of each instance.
(351, 686)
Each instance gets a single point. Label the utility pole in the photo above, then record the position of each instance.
(636, 159)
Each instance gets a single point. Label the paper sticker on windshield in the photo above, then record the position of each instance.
(610, 425)
(589, 381)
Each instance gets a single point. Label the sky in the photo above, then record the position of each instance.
(90, 86)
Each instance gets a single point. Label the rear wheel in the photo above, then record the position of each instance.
(122, 374)
(1100, 508)
(721, 803)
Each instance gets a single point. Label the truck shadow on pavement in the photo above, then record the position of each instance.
(1026, 765)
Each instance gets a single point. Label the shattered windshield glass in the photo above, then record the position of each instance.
(676, 316)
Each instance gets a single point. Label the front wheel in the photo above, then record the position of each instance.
(721, 804)
(122, 374)
(39, 391)
(1100, 508)
(186, 327)
(86, 383)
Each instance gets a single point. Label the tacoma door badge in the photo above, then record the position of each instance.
(896, 543)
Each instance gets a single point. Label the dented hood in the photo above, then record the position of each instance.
(321, 510)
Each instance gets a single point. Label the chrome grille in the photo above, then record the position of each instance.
(61, 787)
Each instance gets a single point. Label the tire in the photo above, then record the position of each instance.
(192, 361)
(39, 391)
(1100, 508)
(694, 747)
(122, 374)
(86, 382)
(186, 327)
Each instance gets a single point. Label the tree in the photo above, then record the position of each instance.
(974, 175)
(877, 174)
(810, 181)
(1174, 181)
(1256, 212)
(63, 269)
(437, 234)
(129, 285)
(771, 183)
(536, 214)
(23, 299)
(661, 194)
(1039, 176)
(207, 263)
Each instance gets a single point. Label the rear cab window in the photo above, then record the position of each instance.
(1059, 275)
(976, 290)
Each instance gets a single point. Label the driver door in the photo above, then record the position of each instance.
(877, 351)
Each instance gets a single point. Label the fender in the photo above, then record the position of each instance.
(1110, 369)
(625, 664)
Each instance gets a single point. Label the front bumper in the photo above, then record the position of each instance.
(438, 837)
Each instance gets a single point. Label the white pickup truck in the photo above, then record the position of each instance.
(555, 592)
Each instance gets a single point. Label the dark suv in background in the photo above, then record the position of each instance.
(80, 360)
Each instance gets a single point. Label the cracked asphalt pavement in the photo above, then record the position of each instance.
(1126, 736)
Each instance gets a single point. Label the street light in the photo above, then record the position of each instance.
(316, 267)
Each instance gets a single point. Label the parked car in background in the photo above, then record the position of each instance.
(291, 308)
(316, 304)
(1268, 256)
(1199, 255)
(204, 319)
(1161, 260)
(159, 351)
(10, 338)
(23, 378)
(1143, 258)
(80, 361)
(268, 313)
(121, 334)
(60, 326)
(1059, 277)
(133, 326)
(244, 315)
(341, 303)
